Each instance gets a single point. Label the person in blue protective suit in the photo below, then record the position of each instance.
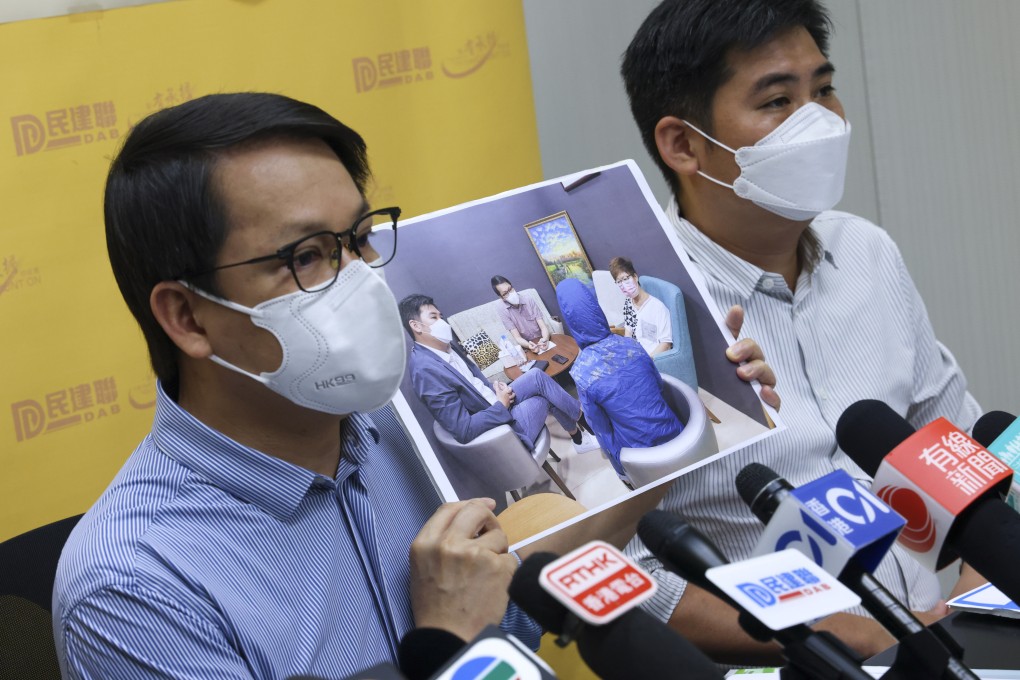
(619, 387)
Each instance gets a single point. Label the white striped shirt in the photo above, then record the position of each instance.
(208, 559)
(855, 328)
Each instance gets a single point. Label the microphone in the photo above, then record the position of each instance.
(635, 645)
(492, 654)
(989, 426)
(765, 492)
(423, 651)
(684, 550)
(943, 483)
(999, 432)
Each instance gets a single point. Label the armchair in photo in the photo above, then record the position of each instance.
(696, 442)
(679, 360)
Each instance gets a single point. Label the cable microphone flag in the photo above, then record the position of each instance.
(632, 646)
(783, 589)
(495, 655)
(831, 520)
(597, 582)
(951, 472)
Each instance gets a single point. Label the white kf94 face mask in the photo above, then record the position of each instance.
(441, 331)
(798, 169)
(343, 347)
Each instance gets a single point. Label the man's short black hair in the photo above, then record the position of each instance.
(498, 280)
(164, 217)
(677, 59)
(410, 309)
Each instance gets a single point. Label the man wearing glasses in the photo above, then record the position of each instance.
(520, 316)
(262, 528)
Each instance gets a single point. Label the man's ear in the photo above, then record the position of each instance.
(173, 305)
(674, 141)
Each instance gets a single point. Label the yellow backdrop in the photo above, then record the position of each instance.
(440, 89)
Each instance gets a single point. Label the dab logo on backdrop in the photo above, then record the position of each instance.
(402, 67)
(65, 408)
(15, 275)
(85, 123)
(392, 68)
(76, 405)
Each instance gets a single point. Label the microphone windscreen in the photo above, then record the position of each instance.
(868, 430)
(636, 645)
(753, 479)
(423, 651)
(986, 535)
(656, 530)
(680, 547)
(989, 426)
(529, 595)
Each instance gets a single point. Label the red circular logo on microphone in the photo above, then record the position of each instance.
(919, 533)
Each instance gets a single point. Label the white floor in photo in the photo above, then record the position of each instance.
(591, 478)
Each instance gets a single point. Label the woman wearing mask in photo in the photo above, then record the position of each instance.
(645, 317)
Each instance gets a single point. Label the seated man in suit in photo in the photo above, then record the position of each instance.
(618, 384)
(465, 403)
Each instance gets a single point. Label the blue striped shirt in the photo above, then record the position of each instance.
(854, 328)
(208, 559)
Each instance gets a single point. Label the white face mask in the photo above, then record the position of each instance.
(441, 331)
(513, 298)
(343, 347)
(798, 169)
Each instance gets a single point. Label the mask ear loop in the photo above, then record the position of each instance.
(709, 138)
(718, 143)
(254, 313)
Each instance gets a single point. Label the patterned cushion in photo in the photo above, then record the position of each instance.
(482, 349)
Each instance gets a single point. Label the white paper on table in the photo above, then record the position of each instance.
(986, 599)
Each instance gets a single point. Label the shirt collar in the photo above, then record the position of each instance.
(274, 485)
(737, 274)
(358, 437)
(445, 356)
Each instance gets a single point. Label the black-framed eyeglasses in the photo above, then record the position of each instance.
(314, 260)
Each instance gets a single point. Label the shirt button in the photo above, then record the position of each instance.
(822, 394)
(767, 284)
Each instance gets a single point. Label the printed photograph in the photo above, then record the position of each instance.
(560, 347)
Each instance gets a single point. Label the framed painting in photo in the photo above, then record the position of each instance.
(559, 249)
